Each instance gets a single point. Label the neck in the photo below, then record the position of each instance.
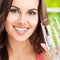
(20, 47)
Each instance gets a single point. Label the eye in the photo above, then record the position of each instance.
(31, 12)
(14, 10)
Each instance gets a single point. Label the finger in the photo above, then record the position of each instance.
(44, 46)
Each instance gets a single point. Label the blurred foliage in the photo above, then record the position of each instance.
(54, 14)
(53, 3)
(57, 15)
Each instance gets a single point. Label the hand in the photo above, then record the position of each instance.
(54, 53)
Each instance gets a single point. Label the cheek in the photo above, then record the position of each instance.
(9, 21)
(33, 22)
(11, 18)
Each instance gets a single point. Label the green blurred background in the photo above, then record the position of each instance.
(55, 4)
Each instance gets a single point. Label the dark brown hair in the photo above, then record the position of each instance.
(4, 9)
(37, 37)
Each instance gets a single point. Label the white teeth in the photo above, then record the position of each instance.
(21, 29)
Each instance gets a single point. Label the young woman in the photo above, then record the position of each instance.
(21, 35)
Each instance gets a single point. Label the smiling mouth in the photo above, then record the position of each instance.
(21, 30)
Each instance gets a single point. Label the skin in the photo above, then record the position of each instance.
(20, 24)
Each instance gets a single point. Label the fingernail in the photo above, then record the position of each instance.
(42, 44)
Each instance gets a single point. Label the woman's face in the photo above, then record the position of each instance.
(22, 19)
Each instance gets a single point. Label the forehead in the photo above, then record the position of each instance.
(26, 3)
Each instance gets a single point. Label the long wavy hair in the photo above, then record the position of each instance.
(37, 37)
(4, 9)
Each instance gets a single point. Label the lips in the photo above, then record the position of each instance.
(21, 30)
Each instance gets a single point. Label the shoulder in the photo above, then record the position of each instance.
(43, 56)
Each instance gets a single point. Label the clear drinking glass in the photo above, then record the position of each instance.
(51, 32)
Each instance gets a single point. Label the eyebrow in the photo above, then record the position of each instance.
(16, 7)
(29, 9)
(33, 9)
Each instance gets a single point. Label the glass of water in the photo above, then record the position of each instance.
(51, 32)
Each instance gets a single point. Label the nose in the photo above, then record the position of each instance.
(22, 18)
